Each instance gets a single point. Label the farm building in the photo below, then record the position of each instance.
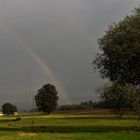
(15, 113)
(1, 114)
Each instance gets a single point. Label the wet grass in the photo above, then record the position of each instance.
(70, 127)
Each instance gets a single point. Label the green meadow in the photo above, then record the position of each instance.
(70, 127)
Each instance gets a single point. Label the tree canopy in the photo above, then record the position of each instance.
(46, 98)
(119, 59)
(8, 108)
(118, 97)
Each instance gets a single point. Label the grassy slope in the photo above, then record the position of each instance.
(58, 127)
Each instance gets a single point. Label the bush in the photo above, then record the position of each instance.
(18, 119)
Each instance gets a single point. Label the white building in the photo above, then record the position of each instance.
(1, 114)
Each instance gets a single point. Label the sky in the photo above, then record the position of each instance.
(53, 41)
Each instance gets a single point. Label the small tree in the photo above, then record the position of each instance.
(118, 97)
(8, 109)
(46, 98)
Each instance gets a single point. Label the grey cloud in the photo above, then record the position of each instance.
(64, 33)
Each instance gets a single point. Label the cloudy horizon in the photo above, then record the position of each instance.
(59, 36)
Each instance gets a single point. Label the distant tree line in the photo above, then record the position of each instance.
(82, 106)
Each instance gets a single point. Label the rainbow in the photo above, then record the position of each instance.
(43, 65)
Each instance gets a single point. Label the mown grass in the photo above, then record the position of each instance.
(76, 127)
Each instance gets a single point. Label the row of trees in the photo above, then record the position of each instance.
(119, 61)
(82, 106)
(46, 101)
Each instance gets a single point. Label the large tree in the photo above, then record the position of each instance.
(119, 59)
(46, 98)
(8, 108)
(119, 98)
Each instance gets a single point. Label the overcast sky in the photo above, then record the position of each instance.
(63, 33)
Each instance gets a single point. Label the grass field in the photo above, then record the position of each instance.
(67, 127)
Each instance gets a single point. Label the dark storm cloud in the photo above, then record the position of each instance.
(64, 33)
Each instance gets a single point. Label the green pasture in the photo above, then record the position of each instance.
(67, 127)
